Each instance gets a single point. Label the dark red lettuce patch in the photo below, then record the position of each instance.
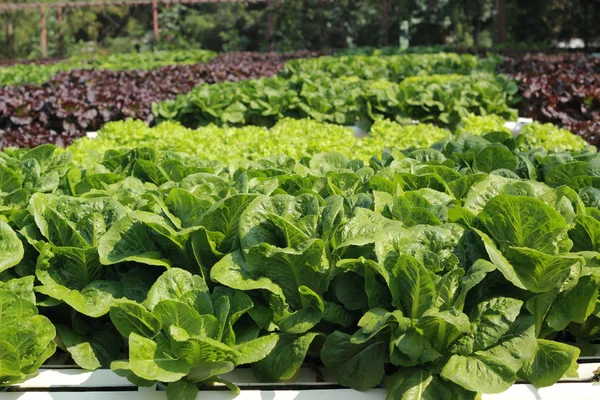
(563, 89)
(79, 101)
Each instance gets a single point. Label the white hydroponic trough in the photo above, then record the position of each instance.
(70, 383)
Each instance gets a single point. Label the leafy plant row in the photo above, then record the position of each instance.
(396, 67)
(9, 62)
(295, 138)
(441, 99)
(38, 74)
(547, 135)
(393, 68)
(562, 89)
(77, 101)
(448, 270)
(300, 138)
(540, 64)
(559, 88)
(569, 100)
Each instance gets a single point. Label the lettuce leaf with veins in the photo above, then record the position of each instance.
(525, 222)
(295, 279)
(185, 336)
(492, 340)
(279, 220)
(26, 338)
(11, 247)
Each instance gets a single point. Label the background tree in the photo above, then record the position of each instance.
(300, 24)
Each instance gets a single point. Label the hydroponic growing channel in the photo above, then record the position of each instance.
(455, 258)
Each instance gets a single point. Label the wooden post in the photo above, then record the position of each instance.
(44, 34)
(501, 22)
(155, 19)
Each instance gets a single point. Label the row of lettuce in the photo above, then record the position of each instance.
(445, 89)
(75, 102)
(299, 138)
(393, 66)
(439, 88)
(563, 89)
(443, 271)
(37, 74)
(441, 99)
(345, 89)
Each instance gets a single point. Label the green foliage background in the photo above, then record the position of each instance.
(312, 24)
